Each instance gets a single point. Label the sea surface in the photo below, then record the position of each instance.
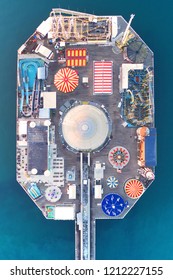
(147, 231)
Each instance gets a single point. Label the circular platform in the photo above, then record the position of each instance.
(134, 188)
(53, 194)
(85, 127)
(113, 204)
(137, 51)
(119, 157)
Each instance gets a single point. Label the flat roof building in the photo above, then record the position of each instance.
(37, 148)
(44, 27)
(49, 99)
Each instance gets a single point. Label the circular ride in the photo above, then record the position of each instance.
(66, 80)
(137, 51)
(85, 127)
(119, 157)
(134, 188)
(53, 194)
(113, 205)
(112, 182)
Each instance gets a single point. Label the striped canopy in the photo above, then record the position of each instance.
(112, 182)
(66, 80)
(133, 188)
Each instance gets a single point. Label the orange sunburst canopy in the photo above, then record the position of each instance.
(134, 188)
(66, 80)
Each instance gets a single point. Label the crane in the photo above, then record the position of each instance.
(126, 32)
(126, 36)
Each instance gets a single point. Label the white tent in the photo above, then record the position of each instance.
(98, 191)
(41, 73)
(49, 99)
(44, 27)
(22, 127)
(43, 51)
(65, 212)
(114, 26)
(44, 113)
(72, 191)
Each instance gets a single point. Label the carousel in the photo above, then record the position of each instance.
(119, 157)
(113, 205)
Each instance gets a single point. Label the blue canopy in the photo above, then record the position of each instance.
(113, 204)
(150, 149)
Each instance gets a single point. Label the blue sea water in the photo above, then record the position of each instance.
(147, 231)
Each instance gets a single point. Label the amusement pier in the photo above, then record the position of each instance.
(86, 136)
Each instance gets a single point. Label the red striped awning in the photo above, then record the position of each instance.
(102, 77)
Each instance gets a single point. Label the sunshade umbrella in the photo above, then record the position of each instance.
(66, 80)
(134, 188)
(112, 182)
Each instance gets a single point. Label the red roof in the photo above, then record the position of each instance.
(102, 76)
